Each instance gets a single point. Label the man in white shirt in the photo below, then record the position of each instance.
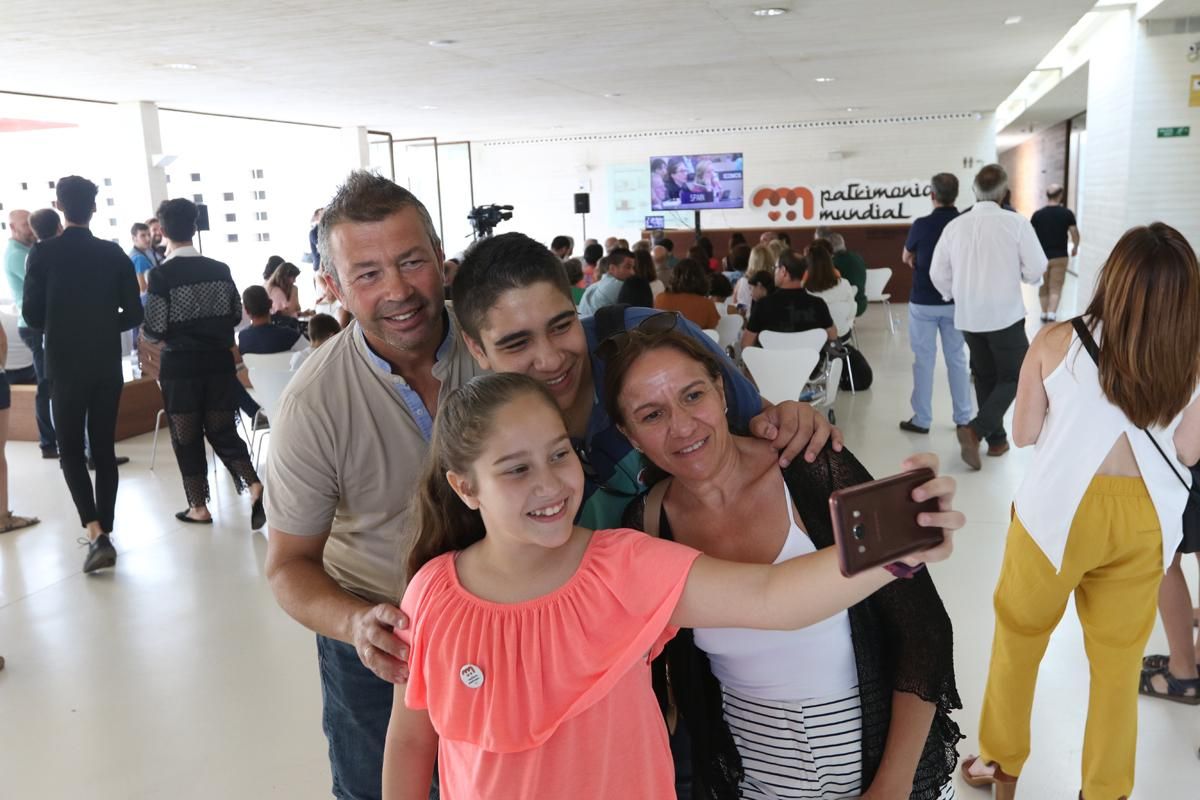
(606, 290)
(980, 262)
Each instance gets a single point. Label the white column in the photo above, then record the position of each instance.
(355, 150)
(138, 151)
(1137, 83)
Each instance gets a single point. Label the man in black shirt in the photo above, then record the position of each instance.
(790, 308)
(83, 293)
(1053, 224)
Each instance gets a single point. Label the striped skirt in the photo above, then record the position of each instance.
(794, 751)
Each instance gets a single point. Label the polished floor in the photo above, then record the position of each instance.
(177, 676)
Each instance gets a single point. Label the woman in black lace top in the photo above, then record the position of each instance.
(856, 706)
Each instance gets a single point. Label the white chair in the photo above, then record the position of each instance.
(801, 340)
(158, 420)
(730, 332)
(781, 375)
(877, 279)
(713, 334)
(828, 388)
(270, 376)
(843, 314)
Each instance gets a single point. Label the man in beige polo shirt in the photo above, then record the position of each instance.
(347, 445)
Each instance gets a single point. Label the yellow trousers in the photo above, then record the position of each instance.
(1113, 564)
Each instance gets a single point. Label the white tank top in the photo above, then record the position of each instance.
(1080, 429)
(813, 662)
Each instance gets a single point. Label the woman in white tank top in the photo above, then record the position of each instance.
(1111, 405)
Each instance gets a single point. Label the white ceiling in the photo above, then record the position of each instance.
(1066, 100)
(533, 67)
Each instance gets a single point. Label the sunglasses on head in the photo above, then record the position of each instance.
(653, 324)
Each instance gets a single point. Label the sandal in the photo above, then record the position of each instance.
(1177, 688)
(1158, 663)
(1005, 784)
(182, 516)
(14, 523)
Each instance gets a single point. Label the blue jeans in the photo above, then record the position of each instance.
(357, 705)
(34, 340)
(924, 324)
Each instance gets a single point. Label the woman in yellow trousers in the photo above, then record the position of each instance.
(1110, 400)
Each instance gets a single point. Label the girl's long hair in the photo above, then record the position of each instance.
(442, 522)
(1148, 300)
(821, 273)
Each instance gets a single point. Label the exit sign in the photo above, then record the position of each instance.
(1171, 133)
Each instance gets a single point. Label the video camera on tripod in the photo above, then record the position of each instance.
(484, 219)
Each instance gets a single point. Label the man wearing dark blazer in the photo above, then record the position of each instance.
(83, 293)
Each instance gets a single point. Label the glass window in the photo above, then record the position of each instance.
(108, 181)
(231, 237)
(264, 237)
(260, 215)
(260, 195)
(231, 217)
(195, 176)
(228, 196)
(197, 198)
(51, 183)
(112, 222)
(256, 173)
(110, 202)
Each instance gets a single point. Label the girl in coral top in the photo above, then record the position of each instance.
(531, 638)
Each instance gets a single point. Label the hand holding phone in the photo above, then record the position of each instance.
(881, 522)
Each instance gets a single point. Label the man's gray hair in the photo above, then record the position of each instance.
(991, 183)
(367, 197)
(836, 241)
(823, 232)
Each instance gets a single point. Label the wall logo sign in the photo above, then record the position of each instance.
(849, 202)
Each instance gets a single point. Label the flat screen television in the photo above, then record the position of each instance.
(656, 223)
(696, 182)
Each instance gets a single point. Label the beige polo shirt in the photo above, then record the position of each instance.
(346, 454)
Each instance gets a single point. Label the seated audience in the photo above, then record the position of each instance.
(574, 268)
(281, 288)
(688, 294)
(761, 285)
(822, 280)
(789, 309)
(616, 267)
(720, 290)
(758, 261)
(638, 289)
(321, 328)
(706, 246)
(272, 264)
(264, 336)
(561, 247)
(864, 701)
(852, 267)
(737, 262)
(592, 254)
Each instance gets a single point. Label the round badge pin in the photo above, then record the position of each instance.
(472, 676)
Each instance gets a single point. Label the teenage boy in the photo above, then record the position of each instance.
(514, 307)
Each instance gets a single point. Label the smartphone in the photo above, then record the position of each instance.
(875, 523)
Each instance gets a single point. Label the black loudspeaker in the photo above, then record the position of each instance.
(201, 217)
(583, 203)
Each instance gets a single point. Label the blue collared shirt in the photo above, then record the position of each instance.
(416, 405)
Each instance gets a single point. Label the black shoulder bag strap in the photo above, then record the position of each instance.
(1089, 344)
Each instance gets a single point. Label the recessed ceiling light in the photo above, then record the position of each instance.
(852, 108)
(824, 80)
(1012, 20)
(612, 94)
(774, 11)
(442, 42)
(179, 66)
(427, 108)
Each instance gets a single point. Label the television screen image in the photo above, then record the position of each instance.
(656, 223)
(696, 182)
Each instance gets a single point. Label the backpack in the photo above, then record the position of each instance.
(856, 364)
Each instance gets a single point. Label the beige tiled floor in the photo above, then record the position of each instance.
(177, 676)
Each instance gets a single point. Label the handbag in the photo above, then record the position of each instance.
(1191, 512)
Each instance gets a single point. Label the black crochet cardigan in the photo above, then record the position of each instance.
(902, 638)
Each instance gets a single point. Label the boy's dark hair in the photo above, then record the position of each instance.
(593, 253)
(137, 228)
(764, 279)
(559, 242)
(321, 327)
(495, 265)
(45, 222)
(178, 219)
(667, 244)
(255, 299)
(783, 237)
(76, 198)
(739, 258)
(619, 255)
